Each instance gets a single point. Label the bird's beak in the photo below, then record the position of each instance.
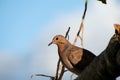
(50, 43)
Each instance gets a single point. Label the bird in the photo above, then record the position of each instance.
(74, 58)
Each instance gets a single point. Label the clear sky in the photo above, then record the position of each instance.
(20, 20)
(27, 26)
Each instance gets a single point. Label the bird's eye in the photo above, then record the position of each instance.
(57, 38)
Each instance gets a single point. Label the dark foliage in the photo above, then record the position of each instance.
(103, 1)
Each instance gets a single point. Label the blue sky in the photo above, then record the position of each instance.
(27, 26)
(21, 20)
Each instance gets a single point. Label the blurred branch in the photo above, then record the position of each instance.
(58, 65)
(67, 33)
(51, 77)
(81, 26)
(62, 72)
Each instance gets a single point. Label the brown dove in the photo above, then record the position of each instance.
(73, 58)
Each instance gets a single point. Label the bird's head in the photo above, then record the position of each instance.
(58, 40)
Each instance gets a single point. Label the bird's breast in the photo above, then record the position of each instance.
(65, 61)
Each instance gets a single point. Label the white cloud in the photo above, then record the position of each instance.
(9, 66)
(7, 61)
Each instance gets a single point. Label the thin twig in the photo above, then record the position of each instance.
(67, 32)
(62, 72)
(51, 77)
(81, 25)
(58, 65)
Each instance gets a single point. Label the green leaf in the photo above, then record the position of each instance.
(103, 1)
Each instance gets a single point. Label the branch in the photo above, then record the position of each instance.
(67, 32)
(51, 77)
(58, 64)
(81, 26)
(62, 72)
(106, 66)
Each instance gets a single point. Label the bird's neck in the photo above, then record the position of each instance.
(63, 47)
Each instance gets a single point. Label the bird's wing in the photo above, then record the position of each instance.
(75, 55)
